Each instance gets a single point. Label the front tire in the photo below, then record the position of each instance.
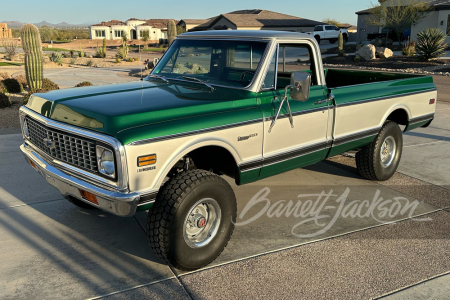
(190, 223)
(379, 160)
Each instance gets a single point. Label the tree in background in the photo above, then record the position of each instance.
(399, 15)
(145, 37)
(171, 31)
(180, 30)
(332, 22)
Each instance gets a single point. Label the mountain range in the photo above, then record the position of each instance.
(17, 24)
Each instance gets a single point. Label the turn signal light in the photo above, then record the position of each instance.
(32, 164)
(89, 196)
(146, 160)
(432, 101)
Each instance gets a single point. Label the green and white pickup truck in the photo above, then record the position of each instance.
(234, 103)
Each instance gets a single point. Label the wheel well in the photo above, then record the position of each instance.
(399, 116)
(215, 158)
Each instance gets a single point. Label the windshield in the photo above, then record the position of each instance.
(220, 62)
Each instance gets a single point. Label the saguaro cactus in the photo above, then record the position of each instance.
(171, 31)
(104, 47)
(31, 43)
(341, 44)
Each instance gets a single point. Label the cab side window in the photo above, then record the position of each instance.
(294, 57)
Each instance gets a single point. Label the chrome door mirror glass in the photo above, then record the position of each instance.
(300, 85)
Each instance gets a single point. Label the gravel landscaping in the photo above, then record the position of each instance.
(9, 116)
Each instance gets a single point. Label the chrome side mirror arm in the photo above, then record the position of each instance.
(281, 105)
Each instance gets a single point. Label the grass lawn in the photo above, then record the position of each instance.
(56, 49)
(154, 49)
(9, 64)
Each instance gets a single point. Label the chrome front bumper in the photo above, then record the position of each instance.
(117, 203)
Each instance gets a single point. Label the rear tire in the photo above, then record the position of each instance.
(379, 160)
(191, 221)
(317, 39)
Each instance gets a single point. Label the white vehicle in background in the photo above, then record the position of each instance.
(328, 32)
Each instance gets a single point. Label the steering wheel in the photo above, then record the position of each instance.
(245, 73)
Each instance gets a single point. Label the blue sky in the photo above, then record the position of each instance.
(81, 11)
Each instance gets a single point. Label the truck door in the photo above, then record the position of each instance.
(286, 148)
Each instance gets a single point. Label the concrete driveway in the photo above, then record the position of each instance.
(52, 249)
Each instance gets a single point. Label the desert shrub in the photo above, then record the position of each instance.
(72, 53)
(5, 101)
(99, 52)
(89, 63)
(81, 52)
(66, 55)
(121, 53)
(130, 59)
(4, 75)
(12, 85)
(3, 88)
(84, 83)
(409, 48)
(117, 59)
(188, 65)
(431, 43)
(48, 85)
(56, 58)
(72, 61)
(22, 79)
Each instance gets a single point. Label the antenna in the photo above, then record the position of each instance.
(140, 60)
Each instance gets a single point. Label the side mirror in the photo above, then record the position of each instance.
(300, 86)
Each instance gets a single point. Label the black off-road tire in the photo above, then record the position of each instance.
(345, 37)
(80, 203)
(166, 219)
(368, 159)
(317, 39)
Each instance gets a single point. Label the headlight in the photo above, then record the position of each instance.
(25, 128)
(105, 161)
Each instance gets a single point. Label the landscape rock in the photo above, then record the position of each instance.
(384, 52)
(367, 52)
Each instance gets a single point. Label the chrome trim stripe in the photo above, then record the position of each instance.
(148, 198)
(194, 132)
(299, 113)
(356, 136)
(385, 97)
(277, 158)
(422, 118)
(295, 153)
(248, 166)
(122, 170)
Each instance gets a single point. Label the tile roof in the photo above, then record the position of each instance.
(111, 23)
(259, 18)
(158, 23)
(194, 21)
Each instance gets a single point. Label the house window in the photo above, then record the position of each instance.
(100, 33)
(118, 33)
(141, 33)
(448, 25)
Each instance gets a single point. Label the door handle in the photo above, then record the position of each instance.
(321, 101)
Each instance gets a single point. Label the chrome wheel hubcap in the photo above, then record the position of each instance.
(202, 223)
(387, 152)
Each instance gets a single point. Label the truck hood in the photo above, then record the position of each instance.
(113, 108)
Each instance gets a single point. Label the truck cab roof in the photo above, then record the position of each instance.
(250, 34)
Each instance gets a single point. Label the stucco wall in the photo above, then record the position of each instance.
(364, 28)
(432, 20)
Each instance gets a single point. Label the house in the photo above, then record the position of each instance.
(437, 17)
(133, 28)
(188, 24)
(5, 32)
(257, 19)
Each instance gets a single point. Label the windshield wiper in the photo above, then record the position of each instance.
(201, 81)
(159, 77)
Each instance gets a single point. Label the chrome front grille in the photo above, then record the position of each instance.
(68, 148)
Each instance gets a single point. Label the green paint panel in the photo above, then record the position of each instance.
(350, 146)
(288, 165)
(416, 125)
(248, 177)
(144, 207)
